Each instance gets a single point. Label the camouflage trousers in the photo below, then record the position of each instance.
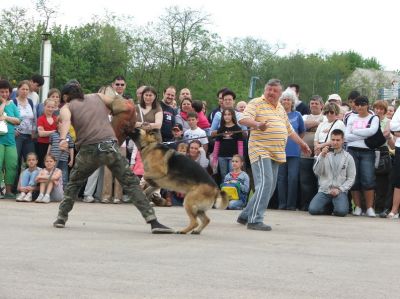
(91, 157)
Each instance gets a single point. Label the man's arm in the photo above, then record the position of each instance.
(65, 117)
(350, 175)
(304, 147)
(248, 122)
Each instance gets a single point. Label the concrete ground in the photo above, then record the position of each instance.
(107, 251)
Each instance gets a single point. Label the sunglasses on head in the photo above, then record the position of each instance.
(119, 84)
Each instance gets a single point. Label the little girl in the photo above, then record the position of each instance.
(46, 124)
(239, 179)
(229, 143)
(54, 189)
(27, 180)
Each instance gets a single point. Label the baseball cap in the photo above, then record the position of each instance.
(335, 97)
(178, 127)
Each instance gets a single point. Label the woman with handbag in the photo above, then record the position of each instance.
(9, 118)
(359, 128)
(383, 163)
(322, 137)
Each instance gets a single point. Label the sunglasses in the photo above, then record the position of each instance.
(119, 84)
(361, 104)
(329, 112)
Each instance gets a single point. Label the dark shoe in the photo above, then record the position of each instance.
(241, 221)
(384, 214)
(259, 226)
(158, 228)
(59, 223)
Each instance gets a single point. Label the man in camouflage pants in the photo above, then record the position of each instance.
(97, 146)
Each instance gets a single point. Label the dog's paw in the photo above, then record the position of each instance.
(195, 232)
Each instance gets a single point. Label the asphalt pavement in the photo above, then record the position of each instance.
(107, 251)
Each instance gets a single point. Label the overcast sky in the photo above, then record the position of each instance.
(370, 28)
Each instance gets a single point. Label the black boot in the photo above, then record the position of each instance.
(158, 228)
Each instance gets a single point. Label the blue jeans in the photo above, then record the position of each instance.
(321, 204)
(308, 182)
(28, 178)
(265, 173)
(365, 169)
(288, 175)
(225, 166)
(25, 145)
(63, 166)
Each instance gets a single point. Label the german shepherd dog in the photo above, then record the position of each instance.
(165, 168)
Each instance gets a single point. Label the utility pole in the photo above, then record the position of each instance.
(45, 63)
(253, 80)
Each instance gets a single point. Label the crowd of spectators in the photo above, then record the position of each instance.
(341, 174)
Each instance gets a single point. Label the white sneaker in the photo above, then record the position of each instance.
(105, 200)
(393, 215)
(40, 198)
(116, 200)
(20, 196)
(46, 198)
(88, 199)
(125, 198)
(371, 212)
(28, 197)
(357, 211)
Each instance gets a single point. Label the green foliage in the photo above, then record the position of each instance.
(179, 49)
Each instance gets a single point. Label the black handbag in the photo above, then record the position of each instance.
(384, 165)
(377, 140)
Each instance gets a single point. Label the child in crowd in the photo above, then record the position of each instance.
(203, 122)
(177, 132)
(182, 148)
(27, 180)
(239, 179)
(228, 143)
(136, 162)
(240, 106)
(52, 189)
(195, 132)
(46, 124)
(62, 156)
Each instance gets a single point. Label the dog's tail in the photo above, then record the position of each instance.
(222, 200)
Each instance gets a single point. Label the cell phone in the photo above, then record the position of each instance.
(331, 149)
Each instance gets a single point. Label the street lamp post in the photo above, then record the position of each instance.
(253, 80)
(45, 63)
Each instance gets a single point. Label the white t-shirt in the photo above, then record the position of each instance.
(34, 97)
(197, 133)
(325, 127)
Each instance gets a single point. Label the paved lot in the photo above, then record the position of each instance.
(106, 251)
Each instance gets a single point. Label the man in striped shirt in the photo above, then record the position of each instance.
(271, 128)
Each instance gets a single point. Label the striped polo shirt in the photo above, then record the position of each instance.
(271, 142)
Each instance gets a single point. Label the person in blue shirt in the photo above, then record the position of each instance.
(289, 172)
